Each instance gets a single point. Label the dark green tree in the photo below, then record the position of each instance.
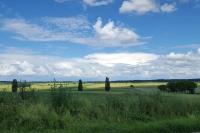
(191, 86)
(80, 85)
(172, 86)
(182, 86)
(162, 88)
(107, 84)
(14, 85)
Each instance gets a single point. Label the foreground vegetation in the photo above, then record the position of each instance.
(126, 109)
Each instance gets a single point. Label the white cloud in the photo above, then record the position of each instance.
(72, 29)
(114, 35)
(199, 51)
(168, 7)
(61, 1)
(175, 56)
(132, 59)
(90, 2)
(25, 30)
(68, 23)
(139, 6)
(97, 2)
(98, 65)
(144, 6)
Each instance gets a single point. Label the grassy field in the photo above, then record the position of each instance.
(143, 109)
(87, 86)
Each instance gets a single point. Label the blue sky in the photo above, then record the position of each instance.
(91, 39)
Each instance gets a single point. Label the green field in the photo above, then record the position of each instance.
(87, 86)
(143, 109)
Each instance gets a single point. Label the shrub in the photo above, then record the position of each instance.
(60, 99)
(162, 88)
(22, 86)
(80, 107)
(132, 86)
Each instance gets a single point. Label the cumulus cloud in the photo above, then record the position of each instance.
(98, 65)
(72, 29)
(144, 6)
(139, 6)
(115, 35)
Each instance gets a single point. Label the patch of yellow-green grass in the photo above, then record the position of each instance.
(124, 85)
(5, 87)
(198, 83)
(148, 84)
(87, 86)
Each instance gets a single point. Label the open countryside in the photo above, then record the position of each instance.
(132, 106)
(99, 66)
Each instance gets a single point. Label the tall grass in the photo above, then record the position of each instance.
(136, 112)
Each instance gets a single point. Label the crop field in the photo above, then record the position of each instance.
(139, 109)
(87, 86)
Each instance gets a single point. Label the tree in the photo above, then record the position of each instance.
(182, 86)
(172, 86)
(107, 84)
(80, 85)
(162, 88)
(191, 86)
(14, 85)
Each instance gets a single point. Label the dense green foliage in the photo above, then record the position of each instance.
(22, 88)
(121, 110)
(163, 88)
(63, 110)
(184, 86)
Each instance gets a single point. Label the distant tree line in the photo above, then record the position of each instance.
(183, 86)
(156, 80)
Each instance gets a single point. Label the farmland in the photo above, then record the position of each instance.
(137, 109)
(87, 86)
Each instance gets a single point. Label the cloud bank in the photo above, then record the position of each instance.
(98, 65)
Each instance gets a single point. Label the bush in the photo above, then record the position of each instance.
(132, 86)
(80, 107)
(60, 99)
(162, 88)
(23, 93)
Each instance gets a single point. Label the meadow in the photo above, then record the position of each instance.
(125, 109)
